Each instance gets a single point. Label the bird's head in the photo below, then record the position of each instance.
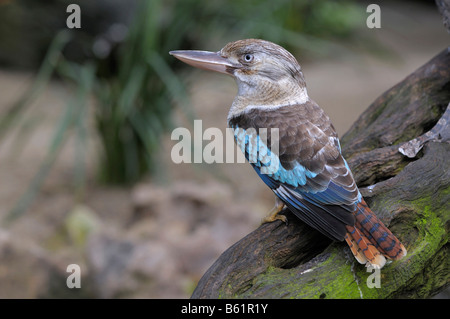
(268, 76)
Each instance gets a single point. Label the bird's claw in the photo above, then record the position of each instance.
(273, 217)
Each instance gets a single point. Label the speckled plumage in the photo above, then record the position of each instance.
(307, 170)
(310, 160)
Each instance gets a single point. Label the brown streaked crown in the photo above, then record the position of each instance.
(236, 51)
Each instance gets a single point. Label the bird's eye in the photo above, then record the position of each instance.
(248, 57)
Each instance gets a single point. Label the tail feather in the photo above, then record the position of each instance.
(370, 240)
(366, 252)
(356, 251)
(378, 233)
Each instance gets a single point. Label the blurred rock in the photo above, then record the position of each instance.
(172, 239)
(29, 271)
(209, 193)
(148, 199)
(108, 256)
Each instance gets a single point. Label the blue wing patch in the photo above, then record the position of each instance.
(326, 207)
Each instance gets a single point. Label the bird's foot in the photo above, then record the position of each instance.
(273, 217)
(273, 214)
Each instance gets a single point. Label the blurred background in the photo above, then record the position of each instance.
(85, 120)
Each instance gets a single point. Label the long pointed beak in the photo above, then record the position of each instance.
(206, 60)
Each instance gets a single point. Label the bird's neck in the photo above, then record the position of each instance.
(266, 96)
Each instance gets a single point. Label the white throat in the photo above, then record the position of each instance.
(243, 104)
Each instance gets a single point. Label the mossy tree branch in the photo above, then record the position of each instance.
(410, 195)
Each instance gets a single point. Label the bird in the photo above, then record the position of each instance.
(312, 178)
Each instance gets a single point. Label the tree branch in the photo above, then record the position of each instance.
(411, 196)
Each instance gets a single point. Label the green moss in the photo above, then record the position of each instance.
(335, 278)
(420, 225)
(430, 222)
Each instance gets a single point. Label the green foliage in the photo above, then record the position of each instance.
(135, 99)
(135, 105)
(73, 117)
(295, 24)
